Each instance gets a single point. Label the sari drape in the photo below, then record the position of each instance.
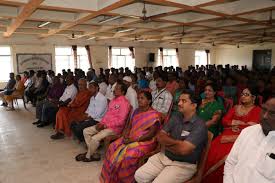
(121, 160)
(219, 151)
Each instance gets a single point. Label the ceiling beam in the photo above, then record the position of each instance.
(89, 16)
(27, 11)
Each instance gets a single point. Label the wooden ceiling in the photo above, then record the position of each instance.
(213, 22)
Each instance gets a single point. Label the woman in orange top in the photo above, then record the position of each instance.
(18, 92)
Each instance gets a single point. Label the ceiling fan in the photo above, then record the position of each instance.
(144, 18)
(179, 34)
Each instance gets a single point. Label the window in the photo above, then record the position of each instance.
(121, 57)
(201, 57)
(64, 59)
(170, 58)
(82, 59)
(5, 63)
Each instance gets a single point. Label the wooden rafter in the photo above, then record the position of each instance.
(89, 16)
(27, 10)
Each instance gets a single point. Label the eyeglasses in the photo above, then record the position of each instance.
(245, 94)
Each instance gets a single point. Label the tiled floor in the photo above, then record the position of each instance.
(27, 154)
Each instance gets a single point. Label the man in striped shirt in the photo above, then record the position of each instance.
(162, 99)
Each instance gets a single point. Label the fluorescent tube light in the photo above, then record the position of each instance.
(91, 38)
(125, 30)
(43, 24)
(109, 19)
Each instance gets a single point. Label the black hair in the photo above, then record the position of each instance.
(191, 95)
(148, 95)
(95, 84)
(213, 85)
(123, 87)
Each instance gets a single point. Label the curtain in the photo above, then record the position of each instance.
(132, 51)
(177, 60)
(74, 47)
(89, 56)
(110, 64)
(161, 57)
(207, 56)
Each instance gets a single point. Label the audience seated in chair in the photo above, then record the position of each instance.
(8, 89)
(241, 116)
(94, 113)
(39, 88)
(184, 137)
(74, 111)
(211, 110)
(251, 159)
(162, 99)
(17, 93)
(46, 112)
(131, 94)
(112, 123)
(122, 157)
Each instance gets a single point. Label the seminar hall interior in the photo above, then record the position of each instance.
(122, 91)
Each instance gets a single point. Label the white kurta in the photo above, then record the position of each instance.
(249, 161)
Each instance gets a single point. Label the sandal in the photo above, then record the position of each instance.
(80, 157)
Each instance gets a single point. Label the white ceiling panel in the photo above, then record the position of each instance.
(241, 6)
(191, 2)
(135, 9)
(220, 23)
(189, 17)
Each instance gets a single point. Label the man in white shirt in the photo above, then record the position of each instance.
(131, 94)
(252, 158)
(111, 87)
(49, 111)
(102, 85)
(94, 113)
(162, 99)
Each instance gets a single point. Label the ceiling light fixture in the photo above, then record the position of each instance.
(108, 19)
(125, 30)
(43, 24)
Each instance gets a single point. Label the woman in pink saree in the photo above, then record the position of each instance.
(123, 155)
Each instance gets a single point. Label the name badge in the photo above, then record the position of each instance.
(184, 133)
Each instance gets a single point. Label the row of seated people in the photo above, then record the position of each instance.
(73, 114)
(210, 110)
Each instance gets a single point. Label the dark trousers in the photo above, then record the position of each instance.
(78, 127)
(46, 111)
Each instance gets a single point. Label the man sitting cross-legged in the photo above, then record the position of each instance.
(94, 113)
(112, 123)
(74, 111)
(183, 138)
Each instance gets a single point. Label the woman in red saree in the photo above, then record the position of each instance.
(237, 118)
(123, 155)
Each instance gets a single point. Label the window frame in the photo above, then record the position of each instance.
(10, 62)
(116, 60)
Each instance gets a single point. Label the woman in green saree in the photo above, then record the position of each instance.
(211, 110)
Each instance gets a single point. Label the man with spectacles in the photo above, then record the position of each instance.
(252, 158)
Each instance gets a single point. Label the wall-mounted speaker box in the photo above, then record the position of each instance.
(151, 57)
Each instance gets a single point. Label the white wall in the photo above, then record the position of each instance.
(240, 56)
(99, 50)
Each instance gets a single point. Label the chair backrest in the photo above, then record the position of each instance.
(228, 104)
(260, 100)
(197, 178)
